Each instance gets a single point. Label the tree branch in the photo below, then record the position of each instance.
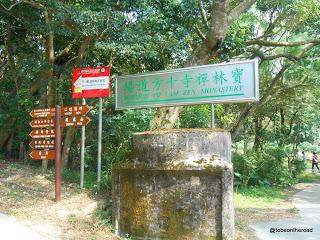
(281, 44)
(218, 24)
(49, 40)
(65, 54)
(239, 9)
(250, 107)
(268, 93)
(31, 3)
(200, 33)
(263, 57)
(203, 14)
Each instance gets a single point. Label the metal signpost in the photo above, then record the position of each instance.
(91, 83)
(83, 141)
(217, 83)
(213, 125)
(57, 146)
(46, 129)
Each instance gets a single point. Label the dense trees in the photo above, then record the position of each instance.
(42, 41)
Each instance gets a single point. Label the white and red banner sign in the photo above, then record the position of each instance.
(91, 82)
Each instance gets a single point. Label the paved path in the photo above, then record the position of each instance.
(11, 229)
(308, 204)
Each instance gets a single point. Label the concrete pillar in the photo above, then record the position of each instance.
(177, 185)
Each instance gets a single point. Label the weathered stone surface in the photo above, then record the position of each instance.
(179, 185)
(171, 148)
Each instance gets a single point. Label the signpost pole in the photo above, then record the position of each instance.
(57, 144)
(83, 139)
(99, 143)
(212, 116)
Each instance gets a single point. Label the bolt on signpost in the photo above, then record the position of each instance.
(91, 83)
(45, 128)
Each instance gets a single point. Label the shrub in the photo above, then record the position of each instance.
(267, 167)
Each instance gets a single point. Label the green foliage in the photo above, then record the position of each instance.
(308, 147)
(245, 166)
(73, 176)
(141, 36)
(105, 215)
(263, 168)
(195, 117)
(307, 177)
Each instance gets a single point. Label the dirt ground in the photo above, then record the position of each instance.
(28, 195)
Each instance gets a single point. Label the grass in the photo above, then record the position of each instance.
(266, 196)
(258, 197)
(308, 177)
(90, 178)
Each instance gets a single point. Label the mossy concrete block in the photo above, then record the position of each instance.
(176, 187)
(167, 148)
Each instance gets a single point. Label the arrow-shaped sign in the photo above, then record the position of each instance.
(75, 121)
(42, 154)
(42, 133)
(75, 110)
(91, 83)
(65, 111)
(42, 123)
(42, 144)
(42, 112)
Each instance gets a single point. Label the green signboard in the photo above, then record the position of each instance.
(217, 83)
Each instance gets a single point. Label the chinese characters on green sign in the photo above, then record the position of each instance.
(218, 83)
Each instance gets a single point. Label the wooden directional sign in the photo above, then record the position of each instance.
(42, 133)
(75, 121)
(65, 122)
(75, 110)
(42, 123)
(42, 144)
(42, 154)
(65, 111)
(42, 112)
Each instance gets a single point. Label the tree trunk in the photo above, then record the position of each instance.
(22, 152)
(69, 137)
(66, 145)
(9, 146)
(166, 117)
(245, 139)
(221, 18)
(51, 84)
(257, 140)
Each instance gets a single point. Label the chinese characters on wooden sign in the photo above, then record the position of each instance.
(43, 131)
